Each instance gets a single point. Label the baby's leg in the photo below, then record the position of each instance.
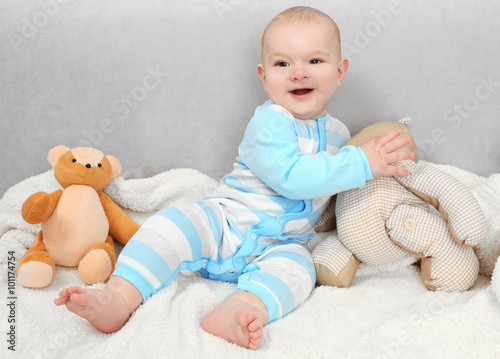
(175, 238)
(275, 283)
(239, 319)
(107, 310)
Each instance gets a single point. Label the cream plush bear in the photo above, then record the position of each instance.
(428, 213)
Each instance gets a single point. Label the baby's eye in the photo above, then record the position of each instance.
(282, 64)
(315, 61)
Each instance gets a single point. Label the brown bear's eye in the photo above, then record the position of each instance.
(99, 165)
(74, 159)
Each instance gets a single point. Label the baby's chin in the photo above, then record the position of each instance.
(304, 111)
(308, 115)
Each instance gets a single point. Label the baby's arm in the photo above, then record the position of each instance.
(380, 153)
(271, 151)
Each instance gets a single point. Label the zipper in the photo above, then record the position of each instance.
(321, 136)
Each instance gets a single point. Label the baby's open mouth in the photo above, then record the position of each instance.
(300, 92)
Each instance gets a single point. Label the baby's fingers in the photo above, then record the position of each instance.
(388, 137)
(397, 171)
(399, 156)
(396, 144)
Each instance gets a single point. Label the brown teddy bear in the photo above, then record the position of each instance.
(428, 213)
(75, 221)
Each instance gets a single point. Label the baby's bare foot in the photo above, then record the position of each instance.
(237, 322)
(105, 310)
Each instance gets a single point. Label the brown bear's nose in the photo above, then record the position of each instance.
(88, 165)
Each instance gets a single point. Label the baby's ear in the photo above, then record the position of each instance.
(262, 74)
(116, 166)
(342, 69)
(56, 153)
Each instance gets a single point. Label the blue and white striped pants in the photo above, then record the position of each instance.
(191, 236)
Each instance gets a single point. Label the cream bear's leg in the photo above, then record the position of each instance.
(446, 265)
(335, 265)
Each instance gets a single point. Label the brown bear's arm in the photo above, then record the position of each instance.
(39, 206)
(121, 226)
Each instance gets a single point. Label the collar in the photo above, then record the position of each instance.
(269, 104)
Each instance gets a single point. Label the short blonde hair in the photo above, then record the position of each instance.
(302, 14)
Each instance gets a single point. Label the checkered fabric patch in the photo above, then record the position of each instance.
(332, 254)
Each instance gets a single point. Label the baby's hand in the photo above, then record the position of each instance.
(381, 155)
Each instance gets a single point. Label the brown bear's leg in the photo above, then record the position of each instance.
(98, 263)
(36, 268)
(335, 265)
(446, 266)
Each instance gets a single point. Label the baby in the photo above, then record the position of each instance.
(251, 230)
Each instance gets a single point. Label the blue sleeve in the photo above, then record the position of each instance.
(271, 151)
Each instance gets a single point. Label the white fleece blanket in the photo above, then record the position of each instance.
(385, 313)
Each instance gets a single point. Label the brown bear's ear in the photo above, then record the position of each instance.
(116, 167)
(56, 153)
(383, 127)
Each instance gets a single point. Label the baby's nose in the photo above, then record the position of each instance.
(299, 73)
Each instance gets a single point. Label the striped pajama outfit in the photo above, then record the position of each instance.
(251, 229)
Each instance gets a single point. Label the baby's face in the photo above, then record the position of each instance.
(301, 67)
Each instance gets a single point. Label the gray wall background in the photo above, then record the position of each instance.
(167, 84)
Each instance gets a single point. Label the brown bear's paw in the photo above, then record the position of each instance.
(95, 267)
(34, 274)
(335, 265)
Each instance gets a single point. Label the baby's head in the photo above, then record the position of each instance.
(301, 63)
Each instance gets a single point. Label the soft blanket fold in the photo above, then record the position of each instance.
(385, 313)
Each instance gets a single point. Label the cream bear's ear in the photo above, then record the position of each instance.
(115, 166)
(56, 153)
